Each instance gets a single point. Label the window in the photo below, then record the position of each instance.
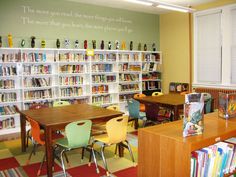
(215, 47)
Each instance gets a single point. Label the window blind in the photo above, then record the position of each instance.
(233, 46)
(209, 53)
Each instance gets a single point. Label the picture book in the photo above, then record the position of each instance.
(193, 114)
(227, 105)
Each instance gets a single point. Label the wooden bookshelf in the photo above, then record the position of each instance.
(164, 152)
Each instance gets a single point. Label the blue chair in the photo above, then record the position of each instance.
(134, 113)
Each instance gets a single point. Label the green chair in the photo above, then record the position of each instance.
(134, 113)
(60, 103)
(77, 136)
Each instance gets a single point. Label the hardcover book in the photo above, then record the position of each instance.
(227, 105)
(193, 122)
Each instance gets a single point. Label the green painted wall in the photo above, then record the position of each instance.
(52, 19)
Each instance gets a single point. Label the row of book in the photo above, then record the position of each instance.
(98, 57)
(103, 99)
(71, 80)
(147, 67)
(72, 57)
(7, 110)
(125, 97)
(155, 57)
(102, 67)
(37, 57)
(103, 78)
(129, 67)
(129, 77)
(128, 57)
(72, 91)
(100, 89)
(37, 82)
(7, 97)
(215, 160)
(128, 87)
(150, 76)
(10, 57)
(7, 123)
(151, 85)
(73, 68)
(39, 94)
(37, 69)
(8, 70)
(7, 84)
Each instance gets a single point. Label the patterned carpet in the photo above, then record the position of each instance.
(13, 162)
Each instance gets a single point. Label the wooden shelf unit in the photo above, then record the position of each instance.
(164, 152)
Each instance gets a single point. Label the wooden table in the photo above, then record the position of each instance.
(57, 118)
(152, 104)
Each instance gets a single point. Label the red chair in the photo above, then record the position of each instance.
(142, 106)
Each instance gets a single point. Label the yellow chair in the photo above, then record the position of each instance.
(142, 106)
(157, 94)
(100, 128)
(60, 103)
(112, 137)
(114, 107)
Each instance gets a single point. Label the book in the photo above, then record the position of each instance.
(193, 121)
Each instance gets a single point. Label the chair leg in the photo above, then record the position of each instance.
(67, 160)
(62, 162)
(95, 160)
(82, 156)
(104, 160)
(130, 151)
(136, 124)
(41, 165)
(27, 138)
(32, 152)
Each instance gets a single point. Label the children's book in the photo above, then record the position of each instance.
(193, 114)
(227, 105)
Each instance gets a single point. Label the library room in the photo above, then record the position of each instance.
(119, 88)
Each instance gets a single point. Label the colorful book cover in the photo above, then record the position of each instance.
(193, 114)
(227, 105)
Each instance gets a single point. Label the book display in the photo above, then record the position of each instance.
(32, 76)
(227, 105)
(193, 122)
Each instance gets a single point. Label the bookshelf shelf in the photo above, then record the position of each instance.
(43, 75)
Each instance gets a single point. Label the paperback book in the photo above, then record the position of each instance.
(193, 122)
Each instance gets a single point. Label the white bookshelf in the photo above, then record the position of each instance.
(35, 75)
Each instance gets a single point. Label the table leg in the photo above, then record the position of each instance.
(23, 132)
(49, 150)
(176, 113)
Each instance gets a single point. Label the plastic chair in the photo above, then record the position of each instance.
(100, 128)
(142, 106)
(38, 139)
(77, 136)
(113, 107)
(60, 103)
(157, 94)
(112, 137)
(134, 113)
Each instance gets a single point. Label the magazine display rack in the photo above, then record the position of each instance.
(227, 105)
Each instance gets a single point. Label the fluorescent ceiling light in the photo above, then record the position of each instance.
(169, 7)
(140, 2)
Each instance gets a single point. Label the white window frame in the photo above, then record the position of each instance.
(226, 48)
